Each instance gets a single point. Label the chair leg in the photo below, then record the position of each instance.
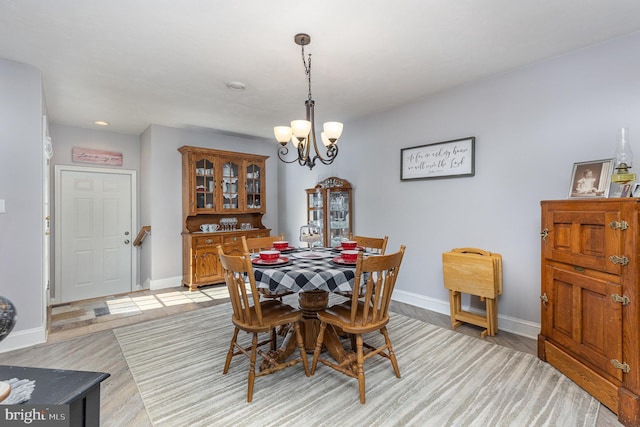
(230, 353)
(252, 366)
(316, 353)
(392, 355)
(274, 341)
(360, 366)
(303, 352)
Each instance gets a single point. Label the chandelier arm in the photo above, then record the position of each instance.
(283, 151)
(303, 152)
(332, 152)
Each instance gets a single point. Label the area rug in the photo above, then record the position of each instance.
(448, 379)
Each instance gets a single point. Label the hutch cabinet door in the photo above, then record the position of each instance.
(231, 185)
(207, 266)
(254, 185)
(202, 184)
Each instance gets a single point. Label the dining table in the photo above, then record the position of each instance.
(312, 273)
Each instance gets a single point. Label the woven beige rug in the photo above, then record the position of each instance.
(448, 379)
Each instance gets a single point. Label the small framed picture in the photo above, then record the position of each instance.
(591, 179)
(622, 190)
(635, 191)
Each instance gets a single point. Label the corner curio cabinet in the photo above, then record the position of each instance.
(329, 206)
(225, 189)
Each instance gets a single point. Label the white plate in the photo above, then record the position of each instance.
(311, 255)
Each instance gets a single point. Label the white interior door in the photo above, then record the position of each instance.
(94, 222)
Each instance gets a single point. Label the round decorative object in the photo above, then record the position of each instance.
(7, 317)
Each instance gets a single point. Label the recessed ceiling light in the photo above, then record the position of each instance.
(101, 123)
(236, 86)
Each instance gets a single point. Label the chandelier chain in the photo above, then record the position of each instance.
(307, 69)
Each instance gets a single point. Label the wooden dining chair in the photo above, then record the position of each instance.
(257, 244)
(372, 245)
(376, 245)
(254, 316)
(361, 316)
(253, 245)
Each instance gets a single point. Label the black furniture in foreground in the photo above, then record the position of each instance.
(78, 389)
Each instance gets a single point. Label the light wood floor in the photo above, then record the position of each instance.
(81, 338)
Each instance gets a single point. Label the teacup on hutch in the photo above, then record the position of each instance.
(349, 244)
(269, 255)
(349, 255)
(281, 245)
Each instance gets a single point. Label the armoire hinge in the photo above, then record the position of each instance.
(619, 225)
(621, 299)
(622, 366)
(622, 260)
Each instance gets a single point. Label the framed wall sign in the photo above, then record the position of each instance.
(87, 155)
(591, 179)
(448, 159)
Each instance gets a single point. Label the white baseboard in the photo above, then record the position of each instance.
(23, 339)
(170, 282)
(516, 326)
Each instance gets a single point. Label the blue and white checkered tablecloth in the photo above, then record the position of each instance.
(307, 274)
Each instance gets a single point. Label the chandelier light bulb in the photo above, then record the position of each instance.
(301, 128)
(282, 134)
(333, 130)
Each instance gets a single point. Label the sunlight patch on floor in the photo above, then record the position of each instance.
(149, 302)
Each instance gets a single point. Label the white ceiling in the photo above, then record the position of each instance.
(137, 62)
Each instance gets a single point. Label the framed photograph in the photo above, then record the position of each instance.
(448, 159)
(635, 192)
(626, 190)
(591, 179)
(620, 190)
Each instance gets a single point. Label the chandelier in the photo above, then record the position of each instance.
(302, 133)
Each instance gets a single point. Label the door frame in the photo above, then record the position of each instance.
(58, 206)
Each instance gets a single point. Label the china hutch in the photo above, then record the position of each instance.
(590, 297)
(223, 199)
(329, 207)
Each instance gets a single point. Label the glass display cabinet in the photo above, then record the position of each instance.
(329, 207)
(223, 199)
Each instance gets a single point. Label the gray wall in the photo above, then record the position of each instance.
(21, 186)
(530, 125)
